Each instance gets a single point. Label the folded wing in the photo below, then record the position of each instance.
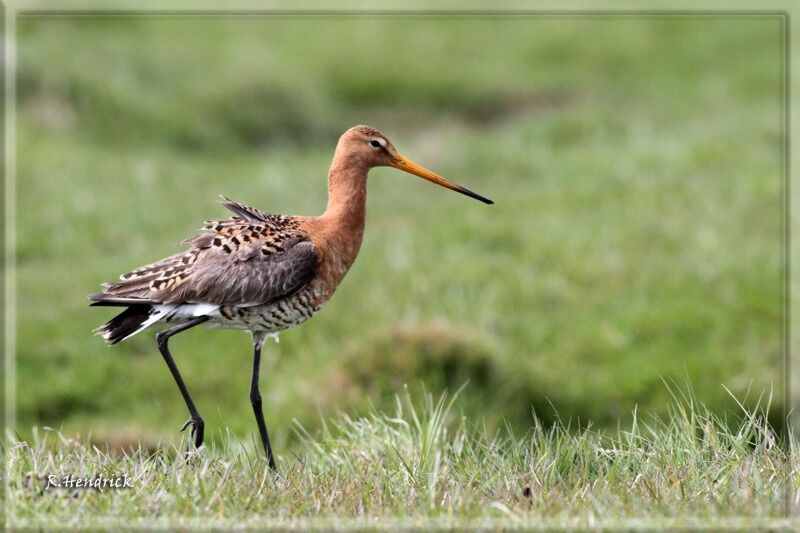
(251, 259)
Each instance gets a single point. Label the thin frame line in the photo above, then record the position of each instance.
(10, 212)
(10, 147)
(79, 12)
(690, 521)
(788, 432)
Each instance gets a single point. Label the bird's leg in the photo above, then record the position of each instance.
(195, 420)
(255, 398)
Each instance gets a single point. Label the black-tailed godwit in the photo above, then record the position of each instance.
(256, 271)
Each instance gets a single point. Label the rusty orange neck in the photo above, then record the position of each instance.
(347, 193)
(341, 227)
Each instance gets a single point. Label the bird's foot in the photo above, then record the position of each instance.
(281, 483)
(197, 429)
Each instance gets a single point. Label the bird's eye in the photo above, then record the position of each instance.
(375, 144)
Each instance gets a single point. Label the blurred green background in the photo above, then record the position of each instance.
(635, 164)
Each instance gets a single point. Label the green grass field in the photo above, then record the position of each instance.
(636, 167)
(412, 469)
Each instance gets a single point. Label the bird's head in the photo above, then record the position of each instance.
(371, 148)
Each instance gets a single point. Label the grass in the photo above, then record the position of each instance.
(425, 466)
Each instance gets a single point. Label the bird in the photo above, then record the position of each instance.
(255, 271)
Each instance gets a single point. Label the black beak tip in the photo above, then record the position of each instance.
(478, 197)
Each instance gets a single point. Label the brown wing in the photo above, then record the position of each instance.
(246, 212)
(244, 261)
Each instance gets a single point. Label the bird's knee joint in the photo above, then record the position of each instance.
(161, 339)
(255, 398)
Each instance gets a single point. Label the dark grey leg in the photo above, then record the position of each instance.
(255, 399)
(195, 420)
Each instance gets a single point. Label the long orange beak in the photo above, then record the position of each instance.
(409, 166)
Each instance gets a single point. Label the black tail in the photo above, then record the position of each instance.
(125, 324)
(105, 300)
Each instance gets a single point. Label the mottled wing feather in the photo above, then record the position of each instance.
(236, 261)
(245, 211)
(221, 280)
